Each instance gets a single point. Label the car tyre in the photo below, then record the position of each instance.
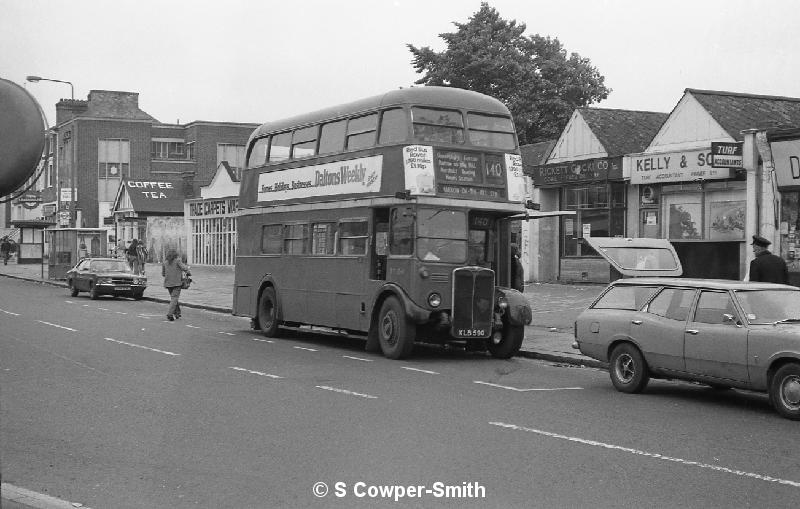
(509, 343)
(93, 293)
(396, 333)
(628, 369)
(72, 290)
(268, 312)
(784, 391)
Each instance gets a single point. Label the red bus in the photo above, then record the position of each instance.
(386, 218)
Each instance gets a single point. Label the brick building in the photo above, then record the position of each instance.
(99, 142)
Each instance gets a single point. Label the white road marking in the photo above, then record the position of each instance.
(345, 391)
(9, 312)
(30, 498)
(304, 348)
(529, 390)
(356, 358)
(420, 370)
(70, 301)
(194, 327)
(262, 340)
(227, 333)
(103, 309)
(59, 326)
(142, 347)
(259, 373)
(653, 455)
(120, 312)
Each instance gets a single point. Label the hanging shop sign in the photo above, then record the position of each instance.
(726, 155)
(684, 166)
(589, 170)
(29, 199)
(786, 156)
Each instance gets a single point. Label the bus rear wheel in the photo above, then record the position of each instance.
(396, 333)
(268, 312)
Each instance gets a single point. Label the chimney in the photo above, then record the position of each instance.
(67, 109)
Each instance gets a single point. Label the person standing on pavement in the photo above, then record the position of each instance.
(5, 249)
(172, 269)
(767, 267)
(517, 273)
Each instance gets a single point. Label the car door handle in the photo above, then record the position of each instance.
(636, 322)
(692, 331)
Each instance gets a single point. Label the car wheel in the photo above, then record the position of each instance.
(784, 391)
(628, 369)
(72, 290)
(396, 333)
(508, 344)
(268, 312)
(93, 293)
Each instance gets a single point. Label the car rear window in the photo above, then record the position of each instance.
(625, 297)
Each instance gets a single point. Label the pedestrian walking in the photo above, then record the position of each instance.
(132, 256)
(174, 272)
(141, 257)
(5, 249)
(767, 267)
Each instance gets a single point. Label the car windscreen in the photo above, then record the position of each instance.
(770, 306)
(110, 266)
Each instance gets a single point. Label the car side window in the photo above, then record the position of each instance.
(625, 297)
(712, 306)
(672, 303)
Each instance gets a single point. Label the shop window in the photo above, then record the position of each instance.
(596, 216)
(684, 216)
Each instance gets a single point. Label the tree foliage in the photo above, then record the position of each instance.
(533, 75)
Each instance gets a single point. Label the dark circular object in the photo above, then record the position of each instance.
(22, 136)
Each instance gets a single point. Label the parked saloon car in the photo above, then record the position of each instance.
(105, 276)
(719, 332)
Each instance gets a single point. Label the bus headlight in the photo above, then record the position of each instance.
(502, 302)
(434, 300)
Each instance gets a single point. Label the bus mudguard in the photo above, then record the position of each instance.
(519, 309)
(418, 314)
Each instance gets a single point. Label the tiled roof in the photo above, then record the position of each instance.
(623, 131)
(736, 112)
(536, 154)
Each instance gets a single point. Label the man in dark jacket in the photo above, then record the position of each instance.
(767, 267)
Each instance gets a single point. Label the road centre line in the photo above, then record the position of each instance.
(262, 340)
(420, 370)
(356, 358)
(517, 389)
(259, 373)
(9, 312)
(226, 333)
(142, 347)
(193, 326)
(59, 326)
(345, 391)
(653, 455)
(304, 348)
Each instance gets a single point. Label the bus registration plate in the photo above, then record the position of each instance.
(468, 333)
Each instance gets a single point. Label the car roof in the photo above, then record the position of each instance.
(716, 284)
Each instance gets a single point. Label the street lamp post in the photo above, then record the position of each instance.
(36, 79)
(72, 201)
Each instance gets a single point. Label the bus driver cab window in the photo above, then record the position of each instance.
(401, 235)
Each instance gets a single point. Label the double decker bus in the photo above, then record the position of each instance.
(387, 218)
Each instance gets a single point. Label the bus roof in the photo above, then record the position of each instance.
(446, 97)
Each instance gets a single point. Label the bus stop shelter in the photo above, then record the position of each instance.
(30, 247)
(69, 245)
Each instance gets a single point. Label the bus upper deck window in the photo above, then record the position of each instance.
(491, 131)
(331, 139)
(258, 154)
(279, 147)
(304, 142)
(394, 127)
(434, 125)
(361, 131)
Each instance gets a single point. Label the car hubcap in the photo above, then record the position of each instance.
(389, 328)
(790, 392)
(626, 369)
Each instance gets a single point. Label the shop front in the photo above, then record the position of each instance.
(595, 191)
(786, 157)
(699, 208)
(211, 226)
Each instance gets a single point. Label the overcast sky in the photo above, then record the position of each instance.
(261, 60)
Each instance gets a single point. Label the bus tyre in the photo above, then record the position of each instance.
(508, 344)
(268, 312)
(396, 333)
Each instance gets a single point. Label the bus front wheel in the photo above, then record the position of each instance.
(396, 333)
(268, 312)
(509, 342)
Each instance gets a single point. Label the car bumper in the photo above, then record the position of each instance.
(114, 288)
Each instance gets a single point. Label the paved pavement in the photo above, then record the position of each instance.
(550, 337)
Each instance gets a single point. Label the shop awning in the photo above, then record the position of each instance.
(150, 197)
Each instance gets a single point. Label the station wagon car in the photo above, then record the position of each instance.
(722, 333)
(105, 276)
